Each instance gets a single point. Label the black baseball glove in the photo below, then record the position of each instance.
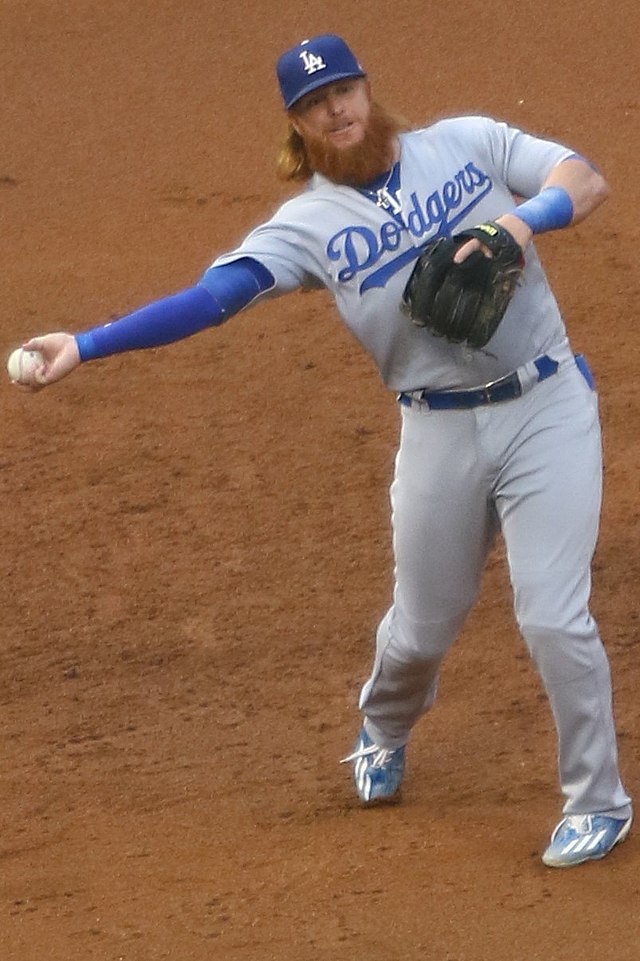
(464, 302)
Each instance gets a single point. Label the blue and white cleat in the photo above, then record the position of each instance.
(584, 837)
(377, 771)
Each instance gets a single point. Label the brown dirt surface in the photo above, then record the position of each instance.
(196, 543)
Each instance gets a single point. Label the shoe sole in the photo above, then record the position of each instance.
(597, 857)
(378, 802)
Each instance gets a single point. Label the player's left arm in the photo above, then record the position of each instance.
(570, 193)
(585, 186)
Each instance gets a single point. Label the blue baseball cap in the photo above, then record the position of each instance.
(314, 63)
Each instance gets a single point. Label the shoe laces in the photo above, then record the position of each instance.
(580, 823)
(380, 755)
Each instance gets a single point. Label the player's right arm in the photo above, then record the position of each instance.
(61, 356)
(223, 292)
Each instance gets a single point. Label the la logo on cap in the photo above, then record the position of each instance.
(312, 62)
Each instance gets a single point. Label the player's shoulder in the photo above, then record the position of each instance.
(455, 127)
(475, 135)
(310, 203)
(317, 190)
(301, 199)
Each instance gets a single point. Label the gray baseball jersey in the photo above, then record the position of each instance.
(452, 175)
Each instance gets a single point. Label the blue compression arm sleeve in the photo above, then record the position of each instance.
(551, 209)
(223, 292)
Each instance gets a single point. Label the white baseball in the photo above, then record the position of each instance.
(22, 365)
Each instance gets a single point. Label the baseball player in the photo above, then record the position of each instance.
(498, 438)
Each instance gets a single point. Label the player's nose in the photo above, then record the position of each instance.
(335, 104)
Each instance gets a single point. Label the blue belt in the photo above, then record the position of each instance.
(507, 388)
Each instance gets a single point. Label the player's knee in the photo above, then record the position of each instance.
(421, 640)
(562, 655)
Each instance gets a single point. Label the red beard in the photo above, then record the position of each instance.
(363, 162)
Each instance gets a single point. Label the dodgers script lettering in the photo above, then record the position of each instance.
(359, 248)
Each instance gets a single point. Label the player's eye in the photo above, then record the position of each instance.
(311, 101)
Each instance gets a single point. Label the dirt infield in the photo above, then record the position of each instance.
(195, 539)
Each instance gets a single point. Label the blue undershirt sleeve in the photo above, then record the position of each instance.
(551, 209)
(222, 292)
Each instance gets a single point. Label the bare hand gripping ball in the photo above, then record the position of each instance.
(22, 366)
(464, 302)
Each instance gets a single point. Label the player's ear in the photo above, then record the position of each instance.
(293, 122)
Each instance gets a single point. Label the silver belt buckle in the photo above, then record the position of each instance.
(511, 379)
(486, 389)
